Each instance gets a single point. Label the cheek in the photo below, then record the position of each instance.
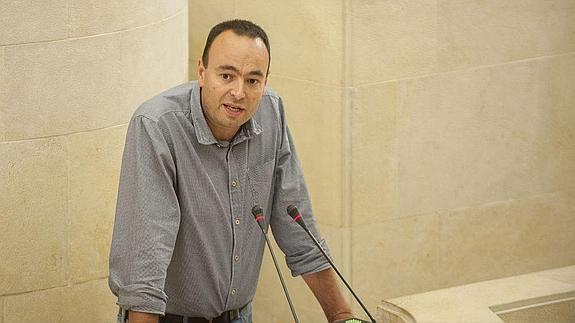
(218, 91)
(212, 95)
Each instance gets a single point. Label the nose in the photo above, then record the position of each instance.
(238, 89)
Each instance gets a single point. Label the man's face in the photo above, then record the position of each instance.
(233, 82)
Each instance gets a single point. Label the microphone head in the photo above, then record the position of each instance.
(295, 215)
(257, 210)
(292, 211)
(258, 213)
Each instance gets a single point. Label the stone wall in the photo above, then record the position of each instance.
(71, 74)
(436, 137)
(462, 131)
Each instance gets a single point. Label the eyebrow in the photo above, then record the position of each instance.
(234, 69)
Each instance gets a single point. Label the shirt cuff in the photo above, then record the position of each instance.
(142, 298)
(308, 262)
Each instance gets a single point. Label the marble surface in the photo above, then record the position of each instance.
(478, 302)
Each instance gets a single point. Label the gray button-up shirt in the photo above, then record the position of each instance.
(185, 241)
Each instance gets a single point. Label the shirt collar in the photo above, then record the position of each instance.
(203, 131)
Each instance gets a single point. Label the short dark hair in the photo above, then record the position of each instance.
(241, 28)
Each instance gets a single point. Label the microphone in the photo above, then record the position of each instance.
(296, 216)
(258, 214)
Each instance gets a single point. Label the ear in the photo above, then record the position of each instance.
(201, 70)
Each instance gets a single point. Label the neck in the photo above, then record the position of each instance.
(225, 134)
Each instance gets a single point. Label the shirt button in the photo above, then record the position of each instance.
(237, 221)
(233, 291)
(236, 258)
(234, 183)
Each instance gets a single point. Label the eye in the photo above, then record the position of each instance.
(253, 81)
(225, 76)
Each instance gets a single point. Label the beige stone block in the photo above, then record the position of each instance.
(560, 312)
(90, 302)
(62, 87)
(507, 290)
(314, 114)
(277, 310)
(452, 308)
(307, 315)
(93, 82)
(562, 274)
(563, 114)
(395, 257)
(477, 302)
(475, 137)
(266, 310)
(33, 21)
(2, 94)
(507, 238)
(262, 309)
(320, 51)
(33, 212)
(153, 59)
(202, 17)
(374, 153)
(91, 17)
(95, 159)
(41, 306)
(392, 39)
(478, 32)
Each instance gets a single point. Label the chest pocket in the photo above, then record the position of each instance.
(260, 181)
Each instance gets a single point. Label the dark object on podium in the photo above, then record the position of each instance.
(354, 320)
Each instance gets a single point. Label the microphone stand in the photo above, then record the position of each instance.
(257, 211)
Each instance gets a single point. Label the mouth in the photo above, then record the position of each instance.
(233, 110)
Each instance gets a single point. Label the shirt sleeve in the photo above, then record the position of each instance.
(147, 219)
(302, 255)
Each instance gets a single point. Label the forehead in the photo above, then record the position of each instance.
(230, 48)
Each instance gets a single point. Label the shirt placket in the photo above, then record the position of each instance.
(235, 189)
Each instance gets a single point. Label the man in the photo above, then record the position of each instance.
(197, 158)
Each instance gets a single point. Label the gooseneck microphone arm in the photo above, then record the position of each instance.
(296, 216)
(258, 214)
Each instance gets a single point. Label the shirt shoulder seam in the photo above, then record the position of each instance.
(156, 119)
